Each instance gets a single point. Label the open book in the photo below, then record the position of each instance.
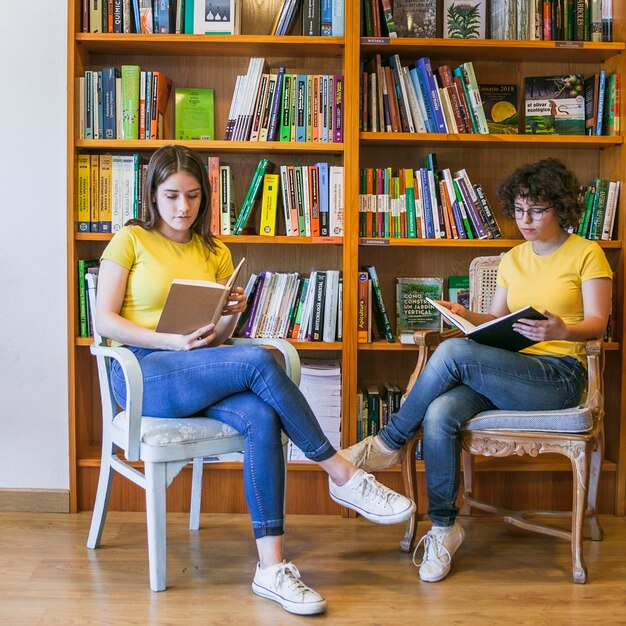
(191, 304)
(499, 332)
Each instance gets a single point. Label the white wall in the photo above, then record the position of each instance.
(33, 361)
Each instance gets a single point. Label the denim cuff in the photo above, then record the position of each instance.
(273, 528)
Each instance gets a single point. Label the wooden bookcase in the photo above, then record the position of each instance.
(201, 61)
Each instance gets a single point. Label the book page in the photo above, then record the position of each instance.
(452, 318)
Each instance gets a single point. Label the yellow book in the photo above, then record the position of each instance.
(269, 203)
(83, 197)
(94, 193)
(105, 195)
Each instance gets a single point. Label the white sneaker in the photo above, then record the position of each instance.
(440, 544)
(375, 502)
(370, 456)
(281, 583)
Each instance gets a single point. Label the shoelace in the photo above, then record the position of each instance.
(289, 572)
(432, 544)
(373, 490)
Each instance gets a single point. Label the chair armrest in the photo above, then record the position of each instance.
(290, 354)
(594, 349)
(134, 392)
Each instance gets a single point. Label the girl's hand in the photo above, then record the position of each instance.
(542, 330)
(236, 302)
(455, 307)
(200, 338)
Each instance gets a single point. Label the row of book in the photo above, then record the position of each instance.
(401, 98)
(424, 203)
(548, 20)
(109, 191)
(600, 207)
(285, 305)
(199, 17)
(320, 18)
(320, 384)
(126, 103)
(374, 404)
(280, 106)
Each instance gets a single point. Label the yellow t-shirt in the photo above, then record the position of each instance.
(553, 282)
(154, 262)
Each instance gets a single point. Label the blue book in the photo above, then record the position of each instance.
(301, 107)
(323, 199)
(601, 96)
(109, 74)
(137, 28)
(425, 72)
(326, 18)
(337, 18)
(276, 105)
(421, 90)
(429, 225)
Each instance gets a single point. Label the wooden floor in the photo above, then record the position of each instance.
(500, 575)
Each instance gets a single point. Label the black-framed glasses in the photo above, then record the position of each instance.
(535, 213)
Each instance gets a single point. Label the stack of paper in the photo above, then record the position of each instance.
(321, 386)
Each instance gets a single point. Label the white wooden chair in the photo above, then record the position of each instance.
(165, 445)
(577, 433)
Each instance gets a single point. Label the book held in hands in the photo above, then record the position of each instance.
(191, 304)
(499, 332)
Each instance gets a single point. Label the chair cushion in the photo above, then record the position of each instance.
(577, 419)
(160, 431)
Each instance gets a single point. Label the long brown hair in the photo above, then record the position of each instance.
(164, 162)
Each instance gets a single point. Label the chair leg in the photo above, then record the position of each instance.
(101, 504)
(597, 534)
(580, 467)
(285, 459)
(156, 484)
(409, 480)
(196, 493)
(466, 457)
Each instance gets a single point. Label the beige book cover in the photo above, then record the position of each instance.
(191, 304)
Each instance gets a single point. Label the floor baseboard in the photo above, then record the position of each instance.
(35, 500)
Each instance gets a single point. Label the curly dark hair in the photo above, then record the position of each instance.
(549, 181)
(164, 162)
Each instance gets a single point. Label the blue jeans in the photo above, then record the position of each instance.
(461, 379)
(244, 387)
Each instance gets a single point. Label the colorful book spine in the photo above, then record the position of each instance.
(381, 310)
(251, 195)
(130, 101)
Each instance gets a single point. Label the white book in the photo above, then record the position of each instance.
(253, 81)
(611, 210)
(116, 193)
(218, 18)
(275, 305)
(128, 187)
(330, 305)
(289, 299)
(416, 112)
(259, 105)
(226, 199)
(269, 103)
(336, 197)
(446, 107)
(305, 322)
(404, 95)
(263, 297)
(234, 103)
(306, 205)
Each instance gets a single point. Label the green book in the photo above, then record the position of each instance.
(413, 312)
(195, 110)
(263, 167)
(380, 310)
(130, 101)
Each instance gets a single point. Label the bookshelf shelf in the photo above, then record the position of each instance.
(218, 146)
(211, 45)
(380, 345)
(491, 141)
(495, 50)
(240, 239)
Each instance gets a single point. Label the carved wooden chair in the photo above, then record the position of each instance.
(165, 445)
(576, 433)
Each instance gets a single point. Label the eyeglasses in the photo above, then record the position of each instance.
(535, 213)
